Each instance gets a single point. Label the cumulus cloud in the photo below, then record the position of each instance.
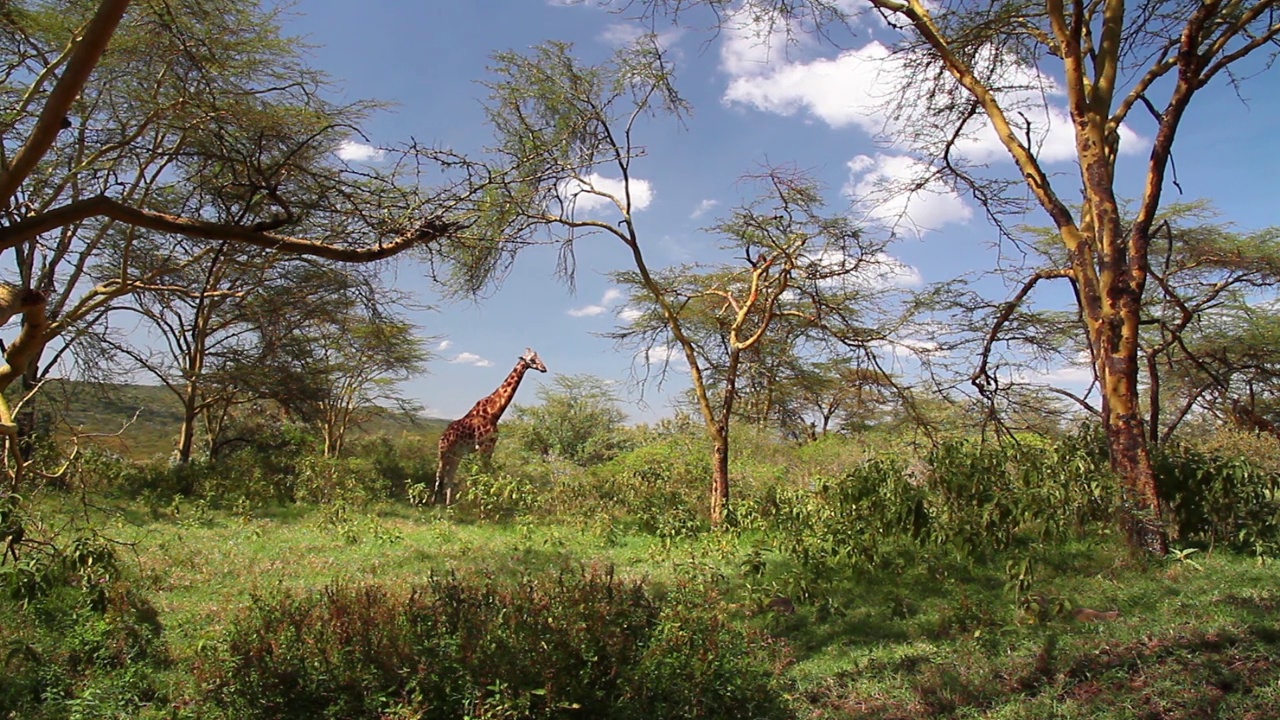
(1078, 373)
(753, 45)
(703, 208)
(444, 345)
(467, 358)
(629, 314)
(859, 87)
(596, 191)
(660, 354)
(353, 151)
(611, 297)
(908, 347)
(880, 271)
(900, 192)
(623, 34)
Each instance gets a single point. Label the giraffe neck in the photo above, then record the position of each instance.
(501, 397)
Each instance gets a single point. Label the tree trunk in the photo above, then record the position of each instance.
(1127, 443)
(719, 477)
(187, 434)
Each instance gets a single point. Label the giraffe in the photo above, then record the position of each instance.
(477, 431)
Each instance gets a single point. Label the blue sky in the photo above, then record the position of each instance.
(811, 106)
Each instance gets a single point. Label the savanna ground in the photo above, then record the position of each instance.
(860, 578)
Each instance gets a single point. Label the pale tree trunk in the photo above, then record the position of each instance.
(719, 475)
(190, 414)
(1127, 445)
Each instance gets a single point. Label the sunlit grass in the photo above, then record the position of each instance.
(1193, 635)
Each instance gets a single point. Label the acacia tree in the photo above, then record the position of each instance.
(559, 124)
(1209, 328)
(794, 265)
(329, 346)
(1205, 334)
(181, 118)
(986, 61)
(194, 315)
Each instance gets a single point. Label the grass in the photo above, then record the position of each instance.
(1194, 637)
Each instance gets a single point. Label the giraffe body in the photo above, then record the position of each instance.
(477, 431)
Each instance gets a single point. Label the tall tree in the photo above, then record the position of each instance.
(192, 318)
(991, 61)
(332, 348)
(794, 264)
(182, 118)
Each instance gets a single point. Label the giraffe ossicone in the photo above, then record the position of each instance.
(477, 431)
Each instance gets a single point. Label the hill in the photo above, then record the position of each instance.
(142, 421)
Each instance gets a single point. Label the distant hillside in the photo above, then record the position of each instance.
(103, 410)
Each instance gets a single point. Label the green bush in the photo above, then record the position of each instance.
(77, 640)
(573, 645)
(1220, 499)
(966, 500)
(578, 420)
(663, 486)
(400, 463)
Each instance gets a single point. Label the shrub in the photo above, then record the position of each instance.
(578, 644)
(1225, 499)
(663, 486)
(77, 640)
(400, 463)
(967, 499)
(578, 420)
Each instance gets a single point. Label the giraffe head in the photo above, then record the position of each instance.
(531, 359)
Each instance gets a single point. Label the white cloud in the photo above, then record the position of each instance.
(908, 347)
(353, 151)
(623, 34)
(861, 87)
(629, 314)
(467, 358)
(1077, 373)
(703, 208)
(588, 311)
(595, 191)
(660, 354)
(754, 42)
(886, 271)
(877, 272)
(611, 297)
(444, 345)
(897, 191)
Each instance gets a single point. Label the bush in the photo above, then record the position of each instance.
(400, 463)
(573, 645)
(1223, 499)
(77, 640)
(663, 486)
(578, 420)
(966, 499)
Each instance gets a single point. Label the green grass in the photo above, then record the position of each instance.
(1194, 637)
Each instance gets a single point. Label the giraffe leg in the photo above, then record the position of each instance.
(484, 450)
(449, 458)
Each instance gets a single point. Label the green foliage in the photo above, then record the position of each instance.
(964, 500)
(329, 481)
(78, 640)
(1221, 499)
(579, 420)
(574, 645)
(660, 486)
(400, 462)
